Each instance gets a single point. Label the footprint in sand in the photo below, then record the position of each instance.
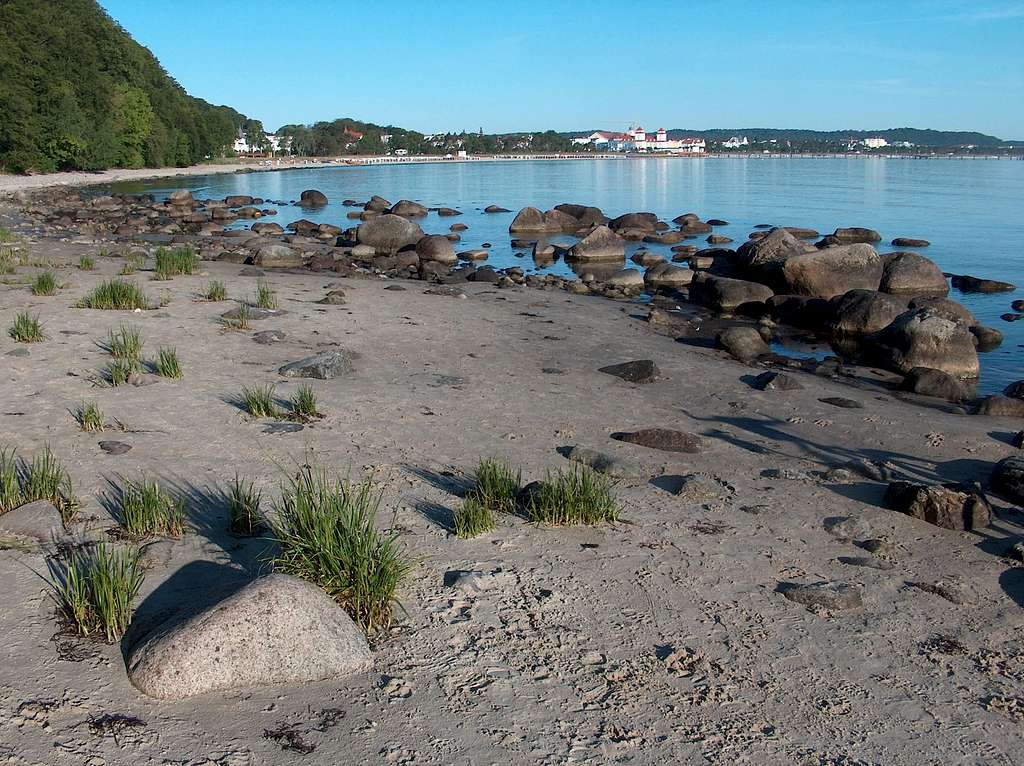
(935, 439)
(796, 420)
(823, 423)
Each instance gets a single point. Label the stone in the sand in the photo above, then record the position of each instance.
(253, 313)
(870, 562)
(831, 597)
(742, 343)
(777, 381)
(600, 244)
(275, 256)
(726, 295)
(251, 271)
(843, 402)
(323, 366)
(602, 462)
(1000, 407)
(663, 439)
(855, 234)
(389, 233)
(312, 198)
(114, 447)
(911, 273)
(922, 339)
(862, 312)
(832, 271)
(435, 247)
(334, 298)
(268, 337)
(699, 489)
(276, 630)
(910, 242)
(946, 506)
(638, 371)
(929, 382)
(38, 521)
(968, 284)
(1008, 478)
(408, 209)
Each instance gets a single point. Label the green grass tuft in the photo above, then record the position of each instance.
(90, 417)
(166, 364)
(44, 284)
(10, 486)
(241, 320)
(173, 263)
(473, 518)
(304, 403)
(244, 505)
(265, 296)
(497, 485)
(125, 343)
(95, 590)
(147, 510)
(85, 263)
(216, 291)
(325, 529)
(26, 328)
(260, 401)
(46, 479)
(116, 295)
(578, 496)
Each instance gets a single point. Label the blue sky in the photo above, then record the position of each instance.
(530, 64)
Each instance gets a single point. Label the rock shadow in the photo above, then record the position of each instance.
(453, 483)
(436, 514)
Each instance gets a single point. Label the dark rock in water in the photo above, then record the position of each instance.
(1011, 317)
(773, 248)
(856, 234)
(968, 284)
(496, 209)
(662, 439)
(922, 339)
(434, 247)
(1000, 407)
(600, 244)
(743, 343)
(802, 233)
(617, 467)
(777, 381)
(727, 295)
(842, 401)
(988, 338)
(910, 242)
(377, 204)
(717, 222)
(1018, 440)
(267, 337)
(800, 311)
(862, 312)
(408, 209)
(639, 371)
(388, 233)
(114, 447)
(323, 366)
(945, 308)
(1015, 390)
(644, 222)
(929, 382)
(448, 212)
(831, 271)
(910, 273)
(530, 220)
(312, 198)
(585, 215)
(949, 506)
(1008, 478)
(718, 239)
(831, 597)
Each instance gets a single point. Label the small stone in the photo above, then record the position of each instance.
(777, 381)
(639, 371)
(822, 596)
(323, 366)
(253, 313)
(662, 439)
(946, 506)
(602, 462)
(114, 447)
(334, 298)
(39, 521)
(268, 337)
(866, 561)
(842, 401)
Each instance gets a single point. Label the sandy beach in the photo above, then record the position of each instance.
(663, 638)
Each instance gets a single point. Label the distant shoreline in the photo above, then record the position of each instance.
(10, 184)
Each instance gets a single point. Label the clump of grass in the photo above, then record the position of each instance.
(497, 486)
(86, 263)
(173, 263)
(325, 529)
(166, 364)
(10, 486)
(244, 503)
(6, 235)
(46, 479)
(95, 590)
(132, 264)
(7, 260)
(304, 403)
(578, 496)
(216, 291)
(125, 343)
(116, 295)
(473, 518)
(44, 284)
(118, 372)
(90, 417)
(147, 510)
(265, 297)
(241, 318)
(260, 401)
(26, 328)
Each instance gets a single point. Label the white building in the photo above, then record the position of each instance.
(639, 140)
(875, 143)
(735, 143)
(277, 143)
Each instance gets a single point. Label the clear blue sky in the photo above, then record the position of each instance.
(530, 64)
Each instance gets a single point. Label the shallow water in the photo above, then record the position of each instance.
(971, 211)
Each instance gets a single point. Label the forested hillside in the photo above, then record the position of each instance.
(77, 92)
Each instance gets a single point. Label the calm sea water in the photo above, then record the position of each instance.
(971, 211)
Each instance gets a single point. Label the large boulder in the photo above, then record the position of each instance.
(39, 521)
(276, 630)
(945, 308)
(801, 311)
(918, 338)
(742, 343)
(377, 205)
(665, 276)
(558, 220)
(911, 273)
(1008, 478)
(1000, 407)
(855, 234)
(1015, 390)
(726, 295)
(388, 233)
(323, 366)
(408, 209)
(832, 271)
(928, 382)
(645, 222)
(947, 506)
(436, 247)
(600, 244)
(277, 256)
(584, 214)
(768, 251)
(312, 198)
(861, 312)
(968, 284)
(530, 220)
(627, 280)
(181, 198)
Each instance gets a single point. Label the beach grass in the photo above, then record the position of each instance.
(45, 478)
(125, 343)
(86, 263)
(116, 295)
(147, 510)
(44, 284)
(26, 328)
(95, 590)
(132, 263)
(577, 496)
(166, 364)
(265, 296)
(326, 533)
(473, 518)
(303, 402)
(118, 372)
(244, 501)
(260, 401)
(241, 319)
(216, 291)
(90, 417)
(176, 262)
(10, 485)
(496, 485)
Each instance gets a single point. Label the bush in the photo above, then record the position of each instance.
(44, 284)
(261, 401)
(95, 590)
(173, 263)
(216, 291)
(473, 518)
(244, 504)
(116, 295)
(579, 496)
(147, 510)
(26, 328)
(166, 364)
(326, 532)
(90, 417)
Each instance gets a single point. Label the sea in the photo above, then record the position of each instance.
(971, 211)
